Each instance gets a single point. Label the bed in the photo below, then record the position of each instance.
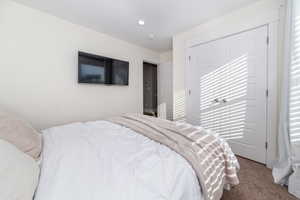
(108, 160)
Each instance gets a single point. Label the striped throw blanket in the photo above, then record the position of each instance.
(213, 163)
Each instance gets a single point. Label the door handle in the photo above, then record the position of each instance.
(216, 100)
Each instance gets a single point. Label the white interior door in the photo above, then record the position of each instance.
(226, 84)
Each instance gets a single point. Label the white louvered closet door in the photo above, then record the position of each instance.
(226, 83)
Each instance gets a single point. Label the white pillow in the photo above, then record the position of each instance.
(19, 173)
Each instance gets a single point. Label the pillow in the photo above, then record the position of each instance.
(20, 134)
(19, 173)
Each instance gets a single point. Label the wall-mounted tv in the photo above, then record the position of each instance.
(102, 70)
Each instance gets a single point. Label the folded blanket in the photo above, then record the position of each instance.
(213, 164)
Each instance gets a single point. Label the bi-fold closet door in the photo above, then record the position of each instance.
(226, 82)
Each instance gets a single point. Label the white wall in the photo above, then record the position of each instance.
(165, 83)
(38, 69)
(257, 14)
(166, 56)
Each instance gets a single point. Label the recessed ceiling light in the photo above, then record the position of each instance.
(141, 22)
(151, 36)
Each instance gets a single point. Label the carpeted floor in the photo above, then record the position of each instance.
(256, 183)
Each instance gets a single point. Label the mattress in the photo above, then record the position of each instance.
(102, 160)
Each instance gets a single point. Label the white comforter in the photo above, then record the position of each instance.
(104, 161)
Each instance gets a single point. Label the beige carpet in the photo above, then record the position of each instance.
(256, 183)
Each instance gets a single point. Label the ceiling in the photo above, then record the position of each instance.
(119, 18)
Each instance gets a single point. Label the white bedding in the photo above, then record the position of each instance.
(100, 160)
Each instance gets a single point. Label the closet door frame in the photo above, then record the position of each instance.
(272, 84)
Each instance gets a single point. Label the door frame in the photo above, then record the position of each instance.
(272, 84)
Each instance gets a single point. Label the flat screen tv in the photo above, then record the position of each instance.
(102, 70)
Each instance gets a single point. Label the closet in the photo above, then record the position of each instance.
(226, 83)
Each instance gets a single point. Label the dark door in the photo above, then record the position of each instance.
(150, 89)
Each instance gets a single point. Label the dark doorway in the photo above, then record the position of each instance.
(150, 89)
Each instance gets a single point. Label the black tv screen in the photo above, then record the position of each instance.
(102, 70)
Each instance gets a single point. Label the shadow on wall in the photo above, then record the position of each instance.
(179, 106)
(223, 99)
